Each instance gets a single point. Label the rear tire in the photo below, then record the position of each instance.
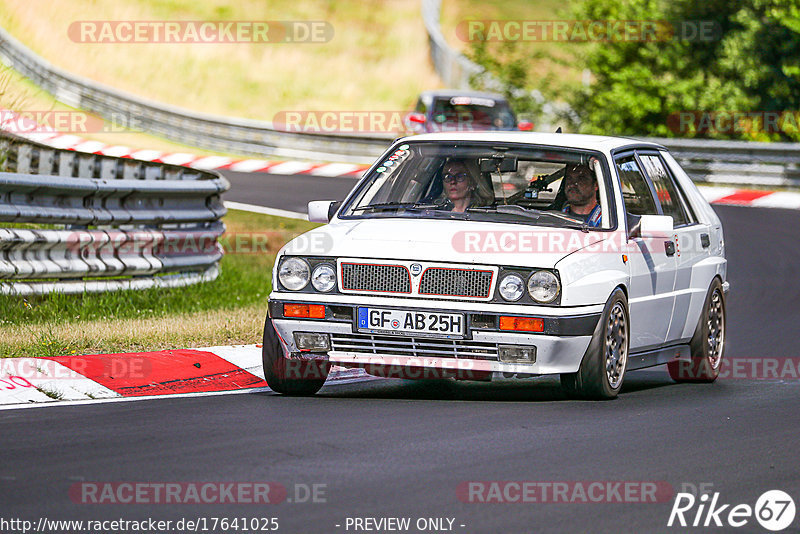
(708, 341)
(603, 367)
(287, 375)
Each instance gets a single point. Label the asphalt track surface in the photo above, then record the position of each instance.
(290, 193)
(394, 448)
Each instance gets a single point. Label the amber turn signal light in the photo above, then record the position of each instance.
(309, 311)
(524, 324)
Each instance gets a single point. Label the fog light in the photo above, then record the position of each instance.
(312, 341)
(517, 353)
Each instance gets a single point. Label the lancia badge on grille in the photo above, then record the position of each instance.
(416, 268)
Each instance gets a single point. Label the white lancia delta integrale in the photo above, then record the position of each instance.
(482, 256)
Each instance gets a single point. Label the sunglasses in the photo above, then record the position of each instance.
(453, 178)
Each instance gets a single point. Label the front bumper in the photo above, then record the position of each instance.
(559, 349)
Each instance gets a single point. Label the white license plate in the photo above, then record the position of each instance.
(410, 322)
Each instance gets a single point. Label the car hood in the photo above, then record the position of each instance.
(473, 242)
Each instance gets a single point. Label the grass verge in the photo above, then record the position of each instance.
(376, 60)
(229, 310)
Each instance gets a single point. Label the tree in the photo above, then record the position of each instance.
(749, 65)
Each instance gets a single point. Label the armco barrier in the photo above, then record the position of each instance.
(77, 220)
(737, 162)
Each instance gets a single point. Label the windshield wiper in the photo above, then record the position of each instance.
(533, 213)
(397, 205)
(511, 209)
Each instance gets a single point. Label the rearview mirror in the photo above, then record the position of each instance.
(322, 210)
(508, 164)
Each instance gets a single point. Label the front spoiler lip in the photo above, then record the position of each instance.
(554, 354)
(399, 361)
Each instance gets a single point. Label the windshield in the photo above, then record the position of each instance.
(467, 114)
(501, 182)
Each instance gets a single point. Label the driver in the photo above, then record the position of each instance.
(580, 188)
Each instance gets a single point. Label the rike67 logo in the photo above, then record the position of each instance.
(774, 510)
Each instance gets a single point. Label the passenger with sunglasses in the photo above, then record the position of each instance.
(461, 188)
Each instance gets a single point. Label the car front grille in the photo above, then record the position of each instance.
(369, 277)
(414, 346)
(456, 282)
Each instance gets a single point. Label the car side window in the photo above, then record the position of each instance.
(635, 191)
(666, 192)
(421, 108)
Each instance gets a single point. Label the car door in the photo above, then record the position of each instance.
(652, 266)
(692, 239)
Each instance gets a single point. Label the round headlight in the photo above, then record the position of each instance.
(543, 286)
(323, 278)
(511, 287)
(294, 274)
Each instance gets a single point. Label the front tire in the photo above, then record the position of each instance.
(287, 375)
(708, 342)
(603, 367)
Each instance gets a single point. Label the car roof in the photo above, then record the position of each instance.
(590, 142)
(447, 93)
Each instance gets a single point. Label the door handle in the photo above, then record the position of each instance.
(705, 240)
(669, 248)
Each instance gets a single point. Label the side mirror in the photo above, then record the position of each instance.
(322, 210)
(419, 118)
(653, 226)
(415, 121)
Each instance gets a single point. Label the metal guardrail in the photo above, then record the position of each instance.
(737, 162)
(81, 221)
(224, 134)
(453, 67)
(460, 72)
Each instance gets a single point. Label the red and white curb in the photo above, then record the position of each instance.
(751, 198)
(143, 375)
(27, 128)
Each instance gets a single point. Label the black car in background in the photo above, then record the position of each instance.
(462, 111)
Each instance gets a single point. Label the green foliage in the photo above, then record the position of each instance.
(509, 64)
(640, 88)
